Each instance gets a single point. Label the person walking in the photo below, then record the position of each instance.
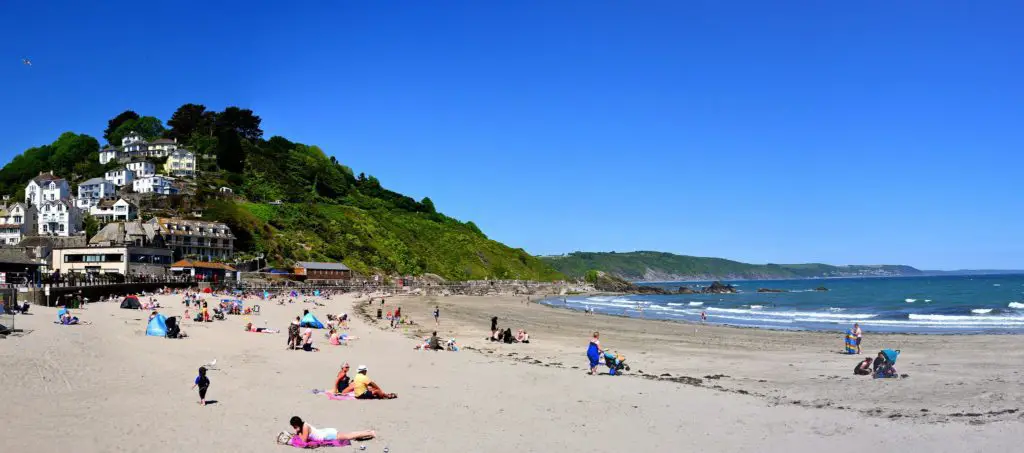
(437, 315)
(594, 352)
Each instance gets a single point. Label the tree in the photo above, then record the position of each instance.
(91, 225)
(71, 149)
(230, 155)
(428, 204)
(149, 127)
(191, 119)
(113, 124)
(240, 121)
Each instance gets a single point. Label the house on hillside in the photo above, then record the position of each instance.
(111, 154)
(111, 210)
(310, 270)
(92, 191)
(162, 147)
(59, 218)
(17, 221)
(141, 168)
(46, 187)
(206, 240)
(120, 176)
(180, 163)
(134, 147)
(158, 184)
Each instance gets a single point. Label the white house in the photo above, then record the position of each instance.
(154, 184)
(59, 218)
(142, 168)
(113, 211)
(161, 147)
(109, 154)
(226, 190)
(120, 176)
(180, 163)
(16, 222)
(46, 187)
(92, 191)
(133, 144)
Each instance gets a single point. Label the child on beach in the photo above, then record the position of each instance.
(203, 383)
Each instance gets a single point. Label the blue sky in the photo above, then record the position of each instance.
(760, 131)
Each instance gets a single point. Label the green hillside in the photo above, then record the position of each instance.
(659, 266)
(327, 212)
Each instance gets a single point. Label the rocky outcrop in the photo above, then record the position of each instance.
(821, 288)
(609, 283)
(718, 288)
(769, 290)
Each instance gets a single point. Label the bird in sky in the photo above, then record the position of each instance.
(26, 62)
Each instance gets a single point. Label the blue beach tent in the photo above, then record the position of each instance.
(310, 321)
(157, 326)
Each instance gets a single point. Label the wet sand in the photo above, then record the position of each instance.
(106, 387)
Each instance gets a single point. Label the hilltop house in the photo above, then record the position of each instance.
(155, 184)
(134, 146)
(141, 168)
(206, 240)
(46, 187)
(110, 210)
(180, 163)
(92, 191)
(17, 221)
(120, 176)
(59, 218)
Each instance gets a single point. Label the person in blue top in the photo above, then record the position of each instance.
(594, 352)
(203, 383)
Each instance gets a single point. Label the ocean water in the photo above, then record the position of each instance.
(929, 305)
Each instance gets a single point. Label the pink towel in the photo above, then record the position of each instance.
(342, 397)
(297, 442)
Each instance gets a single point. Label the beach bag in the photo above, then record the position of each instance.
(284, 438)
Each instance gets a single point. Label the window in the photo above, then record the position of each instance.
(44, 228)
(17, 219)
(62, 228)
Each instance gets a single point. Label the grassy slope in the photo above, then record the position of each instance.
(392, 241)
(634, 265)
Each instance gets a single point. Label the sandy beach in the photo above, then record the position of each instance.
(106, 387)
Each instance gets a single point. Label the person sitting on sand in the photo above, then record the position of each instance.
(522, 336)
(309, 433)
(434, 344)
(342, 381)
(863, 368)
(307, 341)
(250, 328)
(366, 389)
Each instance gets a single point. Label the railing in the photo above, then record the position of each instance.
(21, 279)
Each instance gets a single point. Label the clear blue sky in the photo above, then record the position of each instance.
(840, 132)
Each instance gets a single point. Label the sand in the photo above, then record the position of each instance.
(107, 387)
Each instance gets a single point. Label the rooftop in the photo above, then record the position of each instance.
(203, 265)
(321, 266)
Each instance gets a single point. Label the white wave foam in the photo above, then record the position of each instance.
(695, 304)
(756, 307)
(981, 311)
(1017, 305)
(792, 314)
(996, 284)
(958, 318)
(673, 304)
(910, 301)
(927, 300)
(836, 309)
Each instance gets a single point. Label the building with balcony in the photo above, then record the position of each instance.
(123, 260)
(111, 210)
(92, 191)
(180, 163)
(195, 238)
(59, 218)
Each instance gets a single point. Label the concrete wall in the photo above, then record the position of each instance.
(37, 296)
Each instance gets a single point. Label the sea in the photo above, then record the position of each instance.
(922, 305)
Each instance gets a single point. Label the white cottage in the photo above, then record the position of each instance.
(113, 211)
(17, 221)
(59, 218)
(46, 187)
(142, 168)
(120, 176)
(154, 184)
